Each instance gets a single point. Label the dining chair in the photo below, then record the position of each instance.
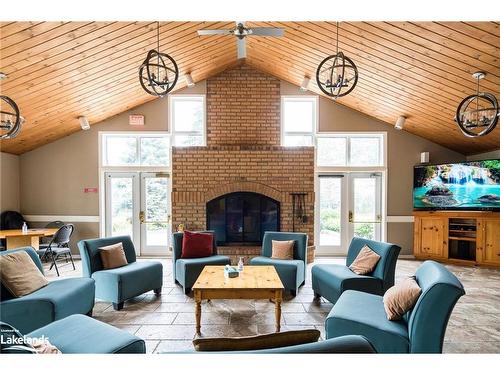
(58, 246)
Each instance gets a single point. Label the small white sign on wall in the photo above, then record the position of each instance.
(136, 120)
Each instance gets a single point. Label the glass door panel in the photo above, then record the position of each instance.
(121, 205)
(365, 214)
(331, 213)
(155, 213)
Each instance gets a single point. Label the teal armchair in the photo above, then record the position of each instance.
(291, 272)
(331, 280)
(78, 334)
(421, 330)
(186, 271)
(119, 284)
(57, 300)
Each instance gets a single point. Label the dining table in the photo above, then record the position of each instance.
(17, 238)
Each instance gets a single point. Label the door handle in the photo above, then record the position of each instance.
(142, 219)
(351, 217)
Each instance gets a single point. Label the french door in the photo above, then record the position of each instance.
(138, 205)
(348, 205)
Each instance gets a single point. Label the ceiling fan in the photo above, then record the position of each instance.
(241, 32)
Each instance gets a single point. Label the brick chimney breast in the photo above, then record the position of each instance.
(243, 152)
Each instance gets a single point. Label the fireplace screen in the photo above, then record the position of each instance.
(242, 218)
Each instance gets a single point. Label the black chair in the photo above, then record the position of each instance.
(59, 246)
(44, 241)
(10, 220)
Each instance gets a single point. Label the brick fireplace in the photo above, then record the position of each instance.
(243, 154)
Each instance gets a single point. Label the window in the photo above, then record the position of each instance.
(187, 120)
(350, 150)
(298, 120)
(128, 149)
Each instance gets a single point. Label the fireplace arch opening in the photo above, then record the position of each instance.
(241, 218)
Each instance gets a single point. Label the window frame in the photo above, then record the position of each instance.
(138, 135)
(381, 135)
(171, 112)
(314, 130)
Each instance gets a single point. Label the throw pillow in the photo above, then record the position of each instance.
(197, 245)
(113, 256)
(401, 298)
(45, 347)
(20, 275)
(282, 249)
(268, 341)
(365, 262)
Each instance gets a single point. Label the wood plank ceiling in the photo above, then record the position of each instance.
(61, 70)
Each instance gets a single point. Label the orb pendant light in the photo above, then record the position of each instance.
(158, 73)
(337, 75)
(10, 118)
(477, 115)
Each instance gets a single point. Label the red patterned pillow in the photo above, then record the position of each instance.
(197, 245)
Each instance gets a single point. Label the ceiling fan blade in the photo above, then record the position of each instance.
(242, 48)
(214, 32)
(267, 31)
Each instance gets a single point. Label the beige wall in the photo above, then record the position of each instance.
(53, 176)
(9, 195)
(485, 155)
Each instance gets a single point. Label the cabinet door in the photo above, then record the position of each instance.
(491, 248)
(432, 237)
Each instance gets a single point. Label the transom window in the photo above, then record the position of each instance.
(350, 150)
(187, 120)
(128, 149)
(299, 116)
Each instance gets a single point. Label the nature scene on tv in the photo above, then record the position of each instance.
(467, 186)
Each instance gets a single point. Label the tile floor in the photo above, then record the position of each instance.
(166, 323)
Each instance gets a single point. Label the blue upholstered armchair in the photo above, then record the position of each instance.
(421, 330)
(331, 280)
(78, 334)
(186, 271)
(57, 300)
(119, 284)
(291, 272)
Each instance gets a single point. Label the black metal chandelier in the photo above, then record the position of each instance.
(158, 73)
(477, 115)
(11, 120)
(337, 75)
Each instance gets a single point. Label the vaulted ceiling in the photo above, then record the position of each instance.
(61, 70)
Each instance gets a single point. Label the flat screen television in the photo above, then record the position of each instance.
(472, 185)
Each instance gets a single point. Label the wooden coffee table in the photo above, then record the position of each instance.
(255, 282)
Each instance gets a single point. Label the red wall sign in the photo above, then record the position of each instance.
(90, 190)
(136, 120)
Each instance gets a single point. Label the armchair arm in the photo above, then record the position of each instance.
(84, 254)
(27, 314)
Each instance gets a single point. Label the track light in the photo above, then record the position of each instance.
(84, 123)
(400, 123)
(3, 75)
(305, 84)
(189, 80)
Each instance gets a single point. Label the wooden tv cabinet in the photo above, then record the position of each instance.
(462, 237)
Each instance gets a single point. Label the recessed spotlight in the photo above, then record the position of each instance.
(84, 123)
(189, 80)
(304, 86)
(400, 122)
